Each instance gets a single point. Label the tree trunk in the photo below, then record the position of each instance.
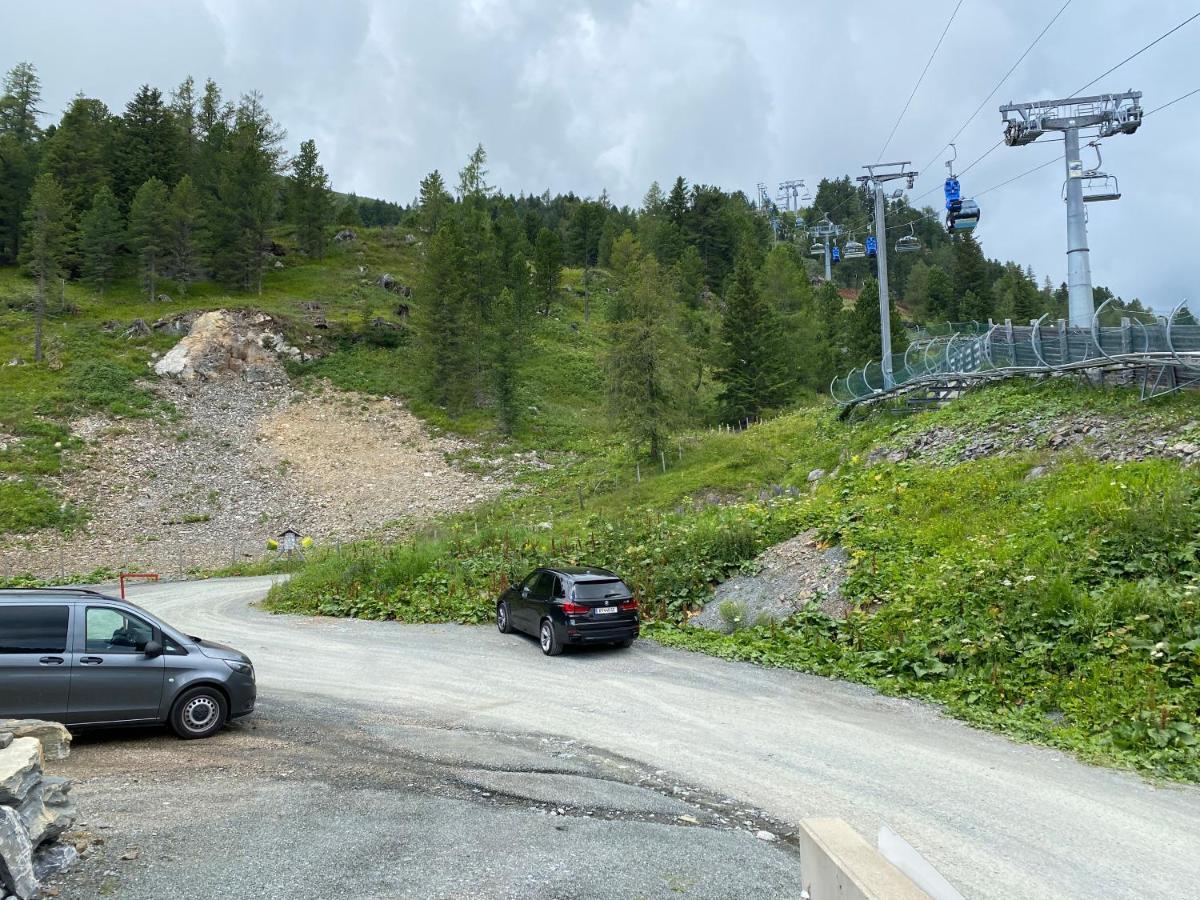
(151, 280)
(39, 318)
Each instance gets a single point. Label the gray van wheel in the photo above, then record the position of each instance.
(199, 713)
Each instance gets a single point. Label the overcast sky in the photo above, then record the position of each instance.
(570, 95)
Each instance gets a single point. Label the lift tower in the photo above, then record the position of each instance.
(1110, 114)
(825, 230)
(877, 176)
(791, 194)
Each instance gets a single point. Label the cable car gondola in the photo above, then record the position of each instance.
(835, 255)
(964, 218)
(961, 215)
(872, 247)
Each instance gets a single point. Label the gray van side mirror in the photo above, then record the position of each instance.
(153, 649)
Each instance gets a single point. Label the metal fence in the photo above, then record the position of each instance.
(1164, 350)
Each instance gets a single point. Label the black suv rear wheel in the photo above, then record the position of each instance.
(503, 622)
(548, 638)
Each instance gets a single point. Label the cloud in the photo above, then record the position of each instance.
(583, 95)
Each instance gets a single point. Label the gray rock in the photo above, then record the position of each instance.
(47, 811)
(20, 769)
(1035, 473)
(346, 234)
(816, 474)
(16, 856)
(789, 576)
(54, 738)
(6, 738)
(53, 859)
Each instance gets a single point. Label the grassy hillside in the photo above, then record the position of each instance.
(91, 367)
(1059, 608)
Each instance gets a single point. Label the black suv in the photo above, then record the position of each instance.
(570, 605)
(83, 658)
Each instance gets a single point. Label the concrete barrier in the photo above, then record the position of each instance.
(838, 864)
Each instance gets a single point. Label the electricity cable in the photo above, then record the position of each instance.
(999, 84)
(1191, 18)
(924, 71)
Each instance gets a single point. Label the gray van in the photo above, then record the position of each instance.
(83, 658)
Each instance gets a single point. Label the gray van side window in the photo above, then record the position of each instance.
(38, 628)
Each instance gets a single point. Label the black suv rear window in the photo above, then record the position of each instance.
(600, 590)
(33, 629)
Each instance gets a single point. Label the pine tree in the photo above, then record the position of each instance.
(863, 339)
(311, 201)
(79, 152)
(187, 125)
(676, 205)
(943, 305)
(755, 372)
(438, 322)
(44, 244)
(184, 226)
(970, 268)
(647, 362)
(246, 195)
(583, 233)
(19, 135)
(150, 230)
(547, 268)
(434, 202)
(148, 144)
(689, 274)
(472, 178)
(505, 359)
(100, 234)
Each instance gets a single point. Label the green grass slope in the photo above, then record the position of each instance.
(1061, 609)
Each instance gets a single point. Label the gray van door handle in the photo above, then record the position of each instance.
(51, 660)
(91, 660)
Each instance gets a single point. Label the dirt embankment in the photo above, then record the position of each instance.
(245, 456)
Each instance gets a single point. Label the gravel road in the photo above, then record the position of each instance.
(437, 761)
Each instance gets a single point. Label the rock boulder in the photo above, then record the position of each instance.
(54, 738)
(224, 344)
(34, 808)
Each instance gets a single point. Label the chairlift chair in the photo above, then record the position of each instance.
(910, 243)
(854, 250)
(1098, 186)
(817, 249)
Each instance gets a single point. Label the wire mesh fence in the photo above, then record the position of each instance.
(1165, 348)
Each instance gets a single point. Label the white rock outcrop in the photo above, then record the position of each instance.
(224, 344)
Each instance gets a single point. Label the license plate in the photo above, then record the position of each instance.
(604, 610)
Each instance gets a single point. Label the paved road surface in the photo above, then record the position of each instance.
(637, 738)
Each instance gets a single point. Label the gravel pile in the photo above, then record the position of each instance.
(787, 577)
(237, 464)
(1095, 436)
